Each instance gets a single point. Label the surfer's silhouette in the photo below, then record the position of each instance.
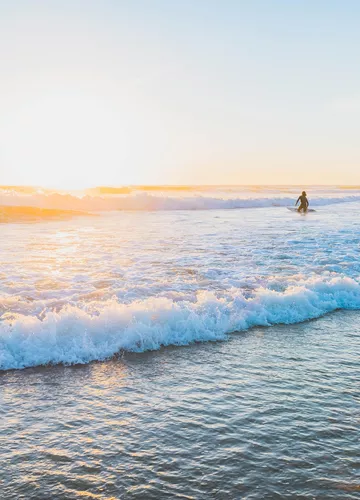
(304, 203)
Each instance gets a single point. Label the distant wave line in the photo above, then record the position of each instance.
(149, 202)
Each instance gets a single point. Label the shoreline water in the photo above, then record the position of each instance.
(270, 412)
(86, 288)
(128, 354)
(261, 415)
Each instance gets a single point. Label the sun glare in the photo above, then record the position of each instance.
(65, 140)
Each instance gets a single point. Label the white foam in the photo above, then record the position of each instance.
(145, 202)
(97, 332)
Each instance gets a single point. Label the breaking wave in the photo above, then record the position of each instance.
(148, 202)
(101, 330)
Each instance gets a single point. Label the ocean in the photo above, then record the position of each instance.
(198, 342)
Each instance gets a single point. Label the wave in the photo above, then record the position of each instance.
(148, 202)
(101, 330)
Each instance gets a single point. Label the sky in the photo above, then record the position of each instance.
(179, 92)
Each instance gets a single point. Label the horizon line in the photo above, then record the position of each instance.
(144, 186)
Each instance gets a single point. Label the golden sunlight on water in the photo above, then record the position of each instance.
(34, 214)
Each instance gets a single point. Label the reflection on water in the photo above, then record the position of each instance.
(272, 413)
(83, 289)
(11, 214)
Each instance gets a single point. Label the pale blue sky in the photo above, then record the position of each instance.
(201, 91)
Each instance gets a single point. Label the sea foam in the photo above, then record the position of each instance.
(148, 202)
(100, 330)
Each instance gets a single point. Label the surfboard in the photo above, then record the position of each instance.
(294, 209)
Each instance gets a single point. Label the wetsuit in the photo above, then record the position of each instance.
(303, 203)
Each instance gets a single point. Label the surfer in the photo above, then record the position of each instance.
(304, 203)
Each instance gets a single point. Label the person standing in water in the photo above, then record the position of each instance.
(304, 203)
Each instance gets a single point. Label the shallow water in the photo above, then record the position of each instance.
(270, 413)
(262, 413)
(82, 290)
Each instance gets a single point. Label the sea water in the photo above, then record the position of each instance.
(257, 413)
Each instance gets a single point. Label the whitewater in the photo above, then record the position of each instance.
(192, 198)
(159, 269)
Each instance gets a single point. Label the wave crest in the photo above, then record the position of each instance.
(99, 331)
(148, 202)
